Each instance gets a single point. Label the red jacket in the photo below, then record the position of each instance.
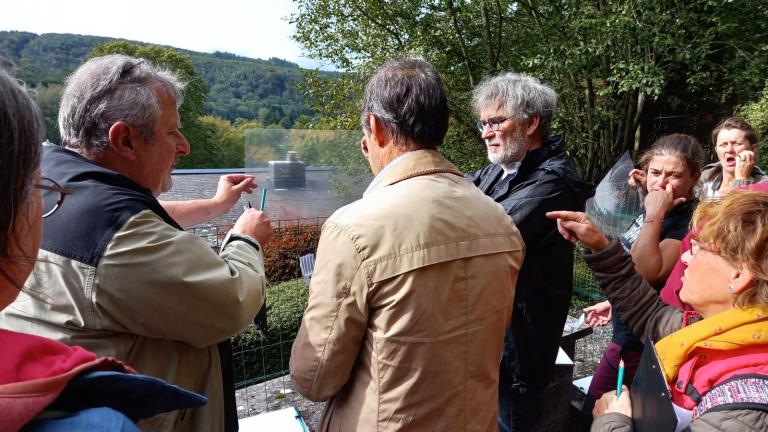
(34, 371)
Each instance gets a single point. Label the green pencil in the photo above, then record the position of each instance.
(620, 380)
(263, 199)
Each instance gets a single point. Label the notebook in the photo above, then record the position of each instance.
(652, 407)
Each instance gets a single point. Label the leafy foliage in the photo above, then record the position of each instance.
(282, 252)
(627, 71)
(756, 113)
(260, 358)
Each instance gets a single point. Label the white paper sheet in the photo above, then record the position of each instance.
(562, 358)
(583, 383)
(284, 420)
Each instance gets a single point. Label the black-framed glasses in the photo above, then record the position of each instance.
(494, 123)
(53, 195)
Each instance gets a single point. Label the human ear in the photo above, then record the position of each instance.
(533, 125)
(741, 280)
(120, 138)
(364, 146)
(378, 135)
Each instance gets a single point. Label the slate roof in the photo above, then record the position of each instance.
(314, 201)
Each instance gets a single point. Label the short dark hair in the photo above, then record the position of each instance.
(408, 97)
(735, 123)
(21, 135)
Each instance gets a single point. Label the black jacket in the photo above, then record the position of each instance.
(547, 180)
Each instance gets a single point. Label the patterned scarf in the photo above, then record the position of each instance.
(732, 329)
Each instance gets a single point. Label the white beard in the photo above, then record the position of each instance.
(513, 149)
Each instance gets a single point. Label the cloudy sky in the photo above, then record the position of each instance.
(255, 28)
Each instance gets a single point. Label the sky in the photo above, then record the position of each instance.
(255, 28)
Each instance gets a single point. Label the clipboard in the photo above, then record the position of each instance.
(652, 407)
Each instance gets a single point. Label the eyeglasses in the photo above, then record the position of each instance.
(696, 247)
(53, 195)
(494, 123)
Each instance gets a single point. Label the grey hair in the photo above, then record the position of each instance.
(108, 89)
(520, 95)
(21, 134)
(408, 97)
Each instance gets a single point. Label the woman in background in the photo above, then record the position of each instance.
(671, 167)
(735, 143)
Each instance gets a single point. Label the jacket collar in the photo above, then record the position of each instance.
(418, 163)
(714, 172)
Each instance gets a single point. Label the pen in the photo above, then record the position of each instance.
(620, 380)
(263, 199)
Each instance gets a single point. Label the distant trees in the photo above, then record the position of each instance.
(756, 113)
(48, 98)
(626, 70)
(222, 146)
(242, 89)
(238, 87)
(215, 142)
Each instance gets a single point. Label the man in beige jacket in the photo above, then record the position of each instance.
(116, 274)
(414, 283)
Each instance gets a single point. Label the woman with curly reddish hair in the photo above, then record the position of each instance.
(716, 367)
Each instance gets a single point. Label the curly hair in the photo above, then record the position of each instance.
(737, 227)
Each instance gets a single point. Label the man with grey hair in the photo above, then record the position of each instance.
(529, 175)
(412, 292)
(116, 272)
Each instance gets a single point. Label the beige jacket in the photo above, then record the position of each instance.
(411, 295)
(159, 300)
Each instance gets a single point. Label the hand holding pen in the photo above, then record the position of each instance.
(255, 223)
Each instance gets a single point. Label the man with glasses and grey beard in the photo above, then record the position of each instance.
(413, 285)
(529, 175)
(116, 274)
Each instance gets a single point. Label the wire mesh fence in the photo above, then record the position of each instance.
(585, 284)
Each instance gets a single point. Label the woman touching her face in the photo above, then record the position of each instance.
(671, 170)
(735, 143)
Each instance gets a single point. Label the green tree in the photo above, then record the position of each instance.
(756, 113)
(48, 99)
(623, 68)
(224, 146)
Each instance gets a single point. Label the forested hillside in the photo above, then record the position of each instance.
(238, 87)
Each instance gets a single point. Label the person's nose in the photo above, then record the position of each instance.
(488, 133)
(686, 257)
(182, 146)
